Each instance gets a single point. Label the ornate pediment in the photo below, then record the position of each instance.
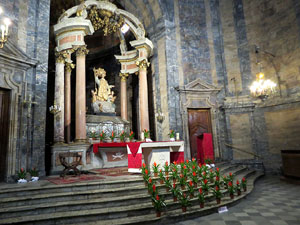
(11, 53)
(198, 85)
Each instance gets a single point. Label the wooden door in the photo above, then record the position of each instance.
(199, 123)
(4, 129)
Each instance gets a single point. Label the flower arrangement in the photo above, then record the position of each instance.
(230, 189)
(146, 175)
(205, 186)
(201, 198)
(146, 133)
(159, 204)
(184, 201)
(92, 134)
(244, 183)
(191, 188)
(102, 136)
(22, 174)
(112, 136)
(122, 136)
(238, 187)
(217, 194)
(195, 178)
(167, 168)
(161, 176)
(131, 135)
(34, 174)
(172, 134)
(155, 168)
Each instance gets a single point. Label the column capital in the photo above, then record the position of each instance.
(81, 50)
(143, 64)
(69, 66)
(123, 76)
(61, 56)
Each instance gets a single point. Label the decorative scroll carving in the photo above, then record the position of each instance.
(82, 50)
(143, 64)
(61, 56)
(124, 76)
(105, 19)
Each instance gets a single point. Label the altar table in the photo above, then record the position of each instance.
(150, 152)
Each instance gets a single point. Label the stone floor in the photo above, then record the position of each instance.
(272, 202)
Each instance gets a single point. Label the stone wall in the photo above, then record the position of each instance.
(28, 44)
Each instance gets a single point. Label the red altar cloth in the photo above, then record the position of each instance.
(205, 149)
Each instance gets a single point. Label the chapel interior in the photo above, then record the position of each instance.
(192, 66)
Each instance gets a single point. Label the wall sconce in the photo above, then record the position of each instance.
(54, 109)
(160, 116)
(4, 24)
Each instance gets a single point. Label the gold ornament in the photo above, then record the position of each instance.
(82, 50)
(143, 64)
(61, 56)
(123, 76)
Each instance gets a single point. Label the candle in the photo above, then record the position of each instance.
(7, 23)
(142, 136)
(177, 136)
(2, 31)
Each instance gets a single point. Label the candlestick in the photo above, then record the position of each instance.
(177, 137)
(142, 136)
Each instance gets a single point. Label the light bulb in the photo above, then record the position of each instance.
(7, 21)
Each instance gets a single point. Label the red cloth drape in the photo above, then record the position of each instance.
(135, 161)
(177, 157)
(134, 147)
(205, 149)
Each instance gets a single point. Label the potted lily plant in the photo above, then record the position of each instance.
(166, 168)
(175, 192)
(102, 136)
(172, 135)
(244, 184)
(155, 169)
(191, 189)
(205, 186)
(238, 187)
(167, 184)
(112, 136)
(22, 176)
(231, 189)
(195, 179)
(218, 194)
(184, 201)
(159, 204)
(182, 181)
(146, 134)
(122, 136)
(161, 176)
(201, 198)
(131, 136)
(34, 173)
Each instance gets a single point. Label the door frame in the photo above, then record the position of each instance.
(196, 95)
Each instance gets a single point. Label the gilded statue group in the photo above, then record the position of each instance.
(102, 96)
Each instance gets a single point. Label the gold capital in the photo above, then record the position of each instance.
(143, 64)
(69, 67)
(61, 56)
(82, 50)
(124, 76)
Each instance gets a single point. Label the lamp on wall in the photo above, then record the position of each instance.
(261, 88)
(54, 109)
(4, 25)
(160, 116)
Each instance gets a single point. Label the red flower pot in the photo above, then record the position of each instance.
(191, 196)
(183, 208)
(161, 181)
(239, 192)
(175, 198)
(231, 196)
(182, 187)
(155, 174)
(195, 185)
(174, 180)
(245, 189)
(158, 214)
(201, 204)
(167, 173)
(167, 189)
(218, 200)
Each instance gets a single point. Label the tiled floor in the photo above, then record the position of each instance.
(272, 202)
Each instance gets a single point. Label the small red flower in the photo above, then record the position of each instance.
(230, 174)
(205, 181)
(184, 167)
(200, 190)
(191, 183)
(199, 165)
(175, 163)
(153, 187)
(181, 175)
(237, 182)
(174, 185)
(217, 188)
(167, 163)
(150, 180)
(181, 161)
(244, 179)
(217, 178)
(187, 161)
(144, 165)
(204, 174)
(230, 184)
(154, 163)
(210, 170)
(193, 159)
(194, 174)
(22, 170)
(204, 164)
(160, 171)
(194, 167)
(157, 197)
(218, 169)
(101, 134)
(146, 171)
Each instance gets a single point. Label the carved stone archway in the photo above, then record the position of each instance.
(199, 94)
(73, 25)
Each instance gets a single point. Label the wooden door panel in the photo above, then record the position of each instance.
(199, 122)
(4, 132)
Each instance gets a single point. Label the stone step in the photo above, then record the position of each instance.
(92, 204)
(33, 189)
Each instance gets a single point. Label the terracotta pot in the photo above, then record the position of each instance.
(182, 187)
(167, 173)
(231, 196)
(161, 181)
(191, 196)
(218, 200)
(245, 189)
(195, 185)
(239, 192)
(183, 208)
(155, 174)
(175, 198)
(174, 180)
(158, 214)
(201, 204)
(167, 189)
(146, 185)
